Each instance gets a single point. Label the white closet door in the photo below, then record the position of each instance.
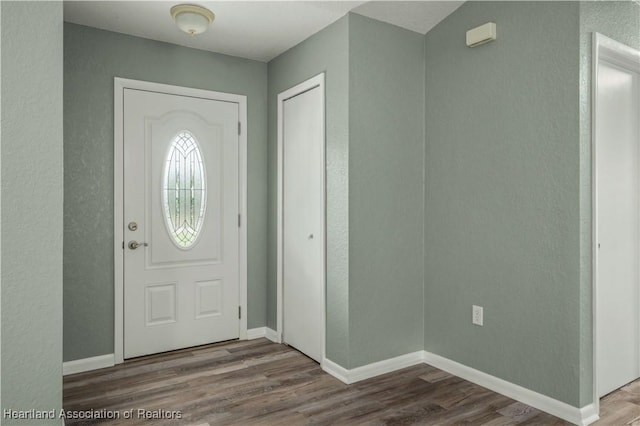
(303, 222)
(618, 186)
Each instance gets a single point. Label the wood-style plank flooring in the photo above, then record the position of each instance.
(262, 383)
(621, 407)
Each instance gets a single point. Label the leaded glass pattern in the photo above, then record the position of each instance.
(184, 189)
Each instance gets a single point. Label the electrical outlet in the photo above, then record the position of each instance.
(477, 315)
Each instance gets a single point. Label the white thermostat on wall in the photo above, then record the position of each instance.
(481, 35)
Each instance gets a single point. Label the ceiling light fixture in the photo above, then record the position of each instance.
(191, 18)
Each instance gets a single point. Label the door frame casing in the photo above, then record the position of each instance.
(119, 85)
(314, 82)
(619, 54)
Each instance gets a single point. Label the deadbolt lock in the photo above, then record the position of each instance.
(132, 226)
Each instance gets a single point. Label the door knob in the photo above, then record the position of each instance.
(134, 244)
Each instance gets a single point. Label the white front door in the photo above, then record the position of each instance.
(618, 221)
(302, 135)
(181, 239)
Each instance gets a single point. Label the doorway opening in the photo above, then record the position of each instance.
(616, 215)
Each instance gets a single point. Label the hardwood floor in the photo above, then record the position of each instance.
(262, 383)
(621, 407)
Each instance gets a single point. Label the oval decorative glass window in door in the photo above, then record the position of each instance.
(184, 193)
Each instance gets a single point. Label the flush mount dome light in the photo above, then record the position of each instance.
(191, 18)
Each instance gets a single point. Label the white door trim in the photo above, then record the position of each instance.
(119, 84)
(312, 83)
(609, 50)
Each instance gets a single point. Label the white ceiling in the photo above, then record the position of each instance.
(259, 30)
(418, 16)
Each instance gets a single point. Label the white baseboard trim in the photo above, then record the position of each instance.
(579, 416)
(273, 335)
(373, 369)
(87, 364)
(104, 361)
(589, 414)
(335, 370)
(256, 333)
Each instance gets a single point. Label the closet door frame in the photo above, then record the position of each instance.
(315, 82)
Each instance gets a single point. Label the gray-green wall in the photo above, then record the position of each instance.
(326, 51)
(92, 58)
(619, 20)
(374, 143)
(386, 197)
(502, 219)
(31, 198)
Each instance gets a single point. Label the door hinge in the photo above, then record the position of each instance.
(239, 312)
(123, 245)
(239, 127)
(239, 221)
